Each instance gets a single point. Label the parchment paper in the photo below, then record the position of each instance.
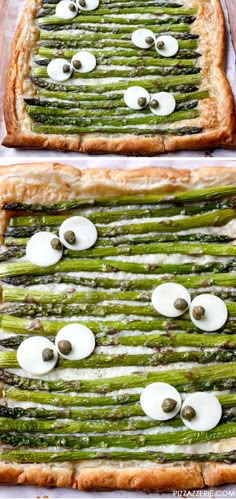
(9, 14)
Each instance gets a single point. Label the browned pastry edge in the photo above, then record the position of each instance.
(220, 106)
(53, 182)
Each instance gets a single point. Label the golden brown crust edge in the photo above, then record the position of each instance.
(220, 136)
(44, 182)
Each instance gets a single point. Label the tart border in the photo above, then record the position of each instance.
(30, 183)
(221, 105)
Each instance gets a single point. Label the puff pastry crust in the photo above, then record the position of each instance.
(53, 182)
(217, 117)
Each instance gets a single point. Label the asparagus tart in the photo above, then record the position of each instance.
(117, 346)
(120, 76)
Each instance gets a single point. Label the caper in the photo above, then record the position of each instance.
(70, 237)
(72, 7)
(188, 413)
(77, 64)
(142, 101)
(168, 405)
(160, 44)
(66, 68)
(154, 104)
(180, 304)
(64, 347)
(82, 3)
(56, 244)
(47, 354)
(149, 40)
(198, 312)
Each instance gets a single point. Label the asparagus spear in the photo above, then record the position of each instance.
(68, 130)
(198, 195)
(136, 239)
(23, 456)
(176, 377)
(33, 310)
(222, 341)
(8, 360)
(13, 269)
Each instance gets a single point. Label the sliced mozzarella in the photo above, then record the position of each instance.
(216, 312)
(87, 60)
(81, 338)
(40, 252)
(166, 104)
(140, 36)
(59, 69)
(87, 4)
(133, 95)
(66, 9)
(30, 355)
(170, 47)
(84, 230)
(153, 397)
(164, 297)
(207, 408)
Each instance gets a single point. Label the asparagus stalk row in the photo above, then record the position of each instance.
(8, 360)
(159, 341)
(43, 327)
(60, 400)
(13, 269)
(198, 195)
(23, 456)
(176, 377)
(123, 214)
(69, 130)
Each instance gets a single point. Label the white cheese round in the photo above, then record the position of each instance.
(40, 252)
(208, 411)
(30, 355)
(139, 38)
(166, 104)
(84, 230)
(216, 312)
(90, 4)
(87, 60)
(66, 9)
(164, 297)
(170, 47)
(153, 397)
(57, 71)
(81, 338)
(132, 96)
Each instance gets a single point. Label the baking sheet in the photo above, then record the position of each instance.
(9, 14)
(19, 491)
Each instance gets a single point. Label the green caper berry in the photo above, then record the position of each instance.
(64, 347)
(70, 237)
(154, 104)
(82, 3)
(56, 244)
(47, 354)
(77, 64)
(188, 413)
(66, 68)
(149, 40)
(168, 405)
(142, 101)
(72, 7)
(198, 312)
(180, 304)
(160, 44)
